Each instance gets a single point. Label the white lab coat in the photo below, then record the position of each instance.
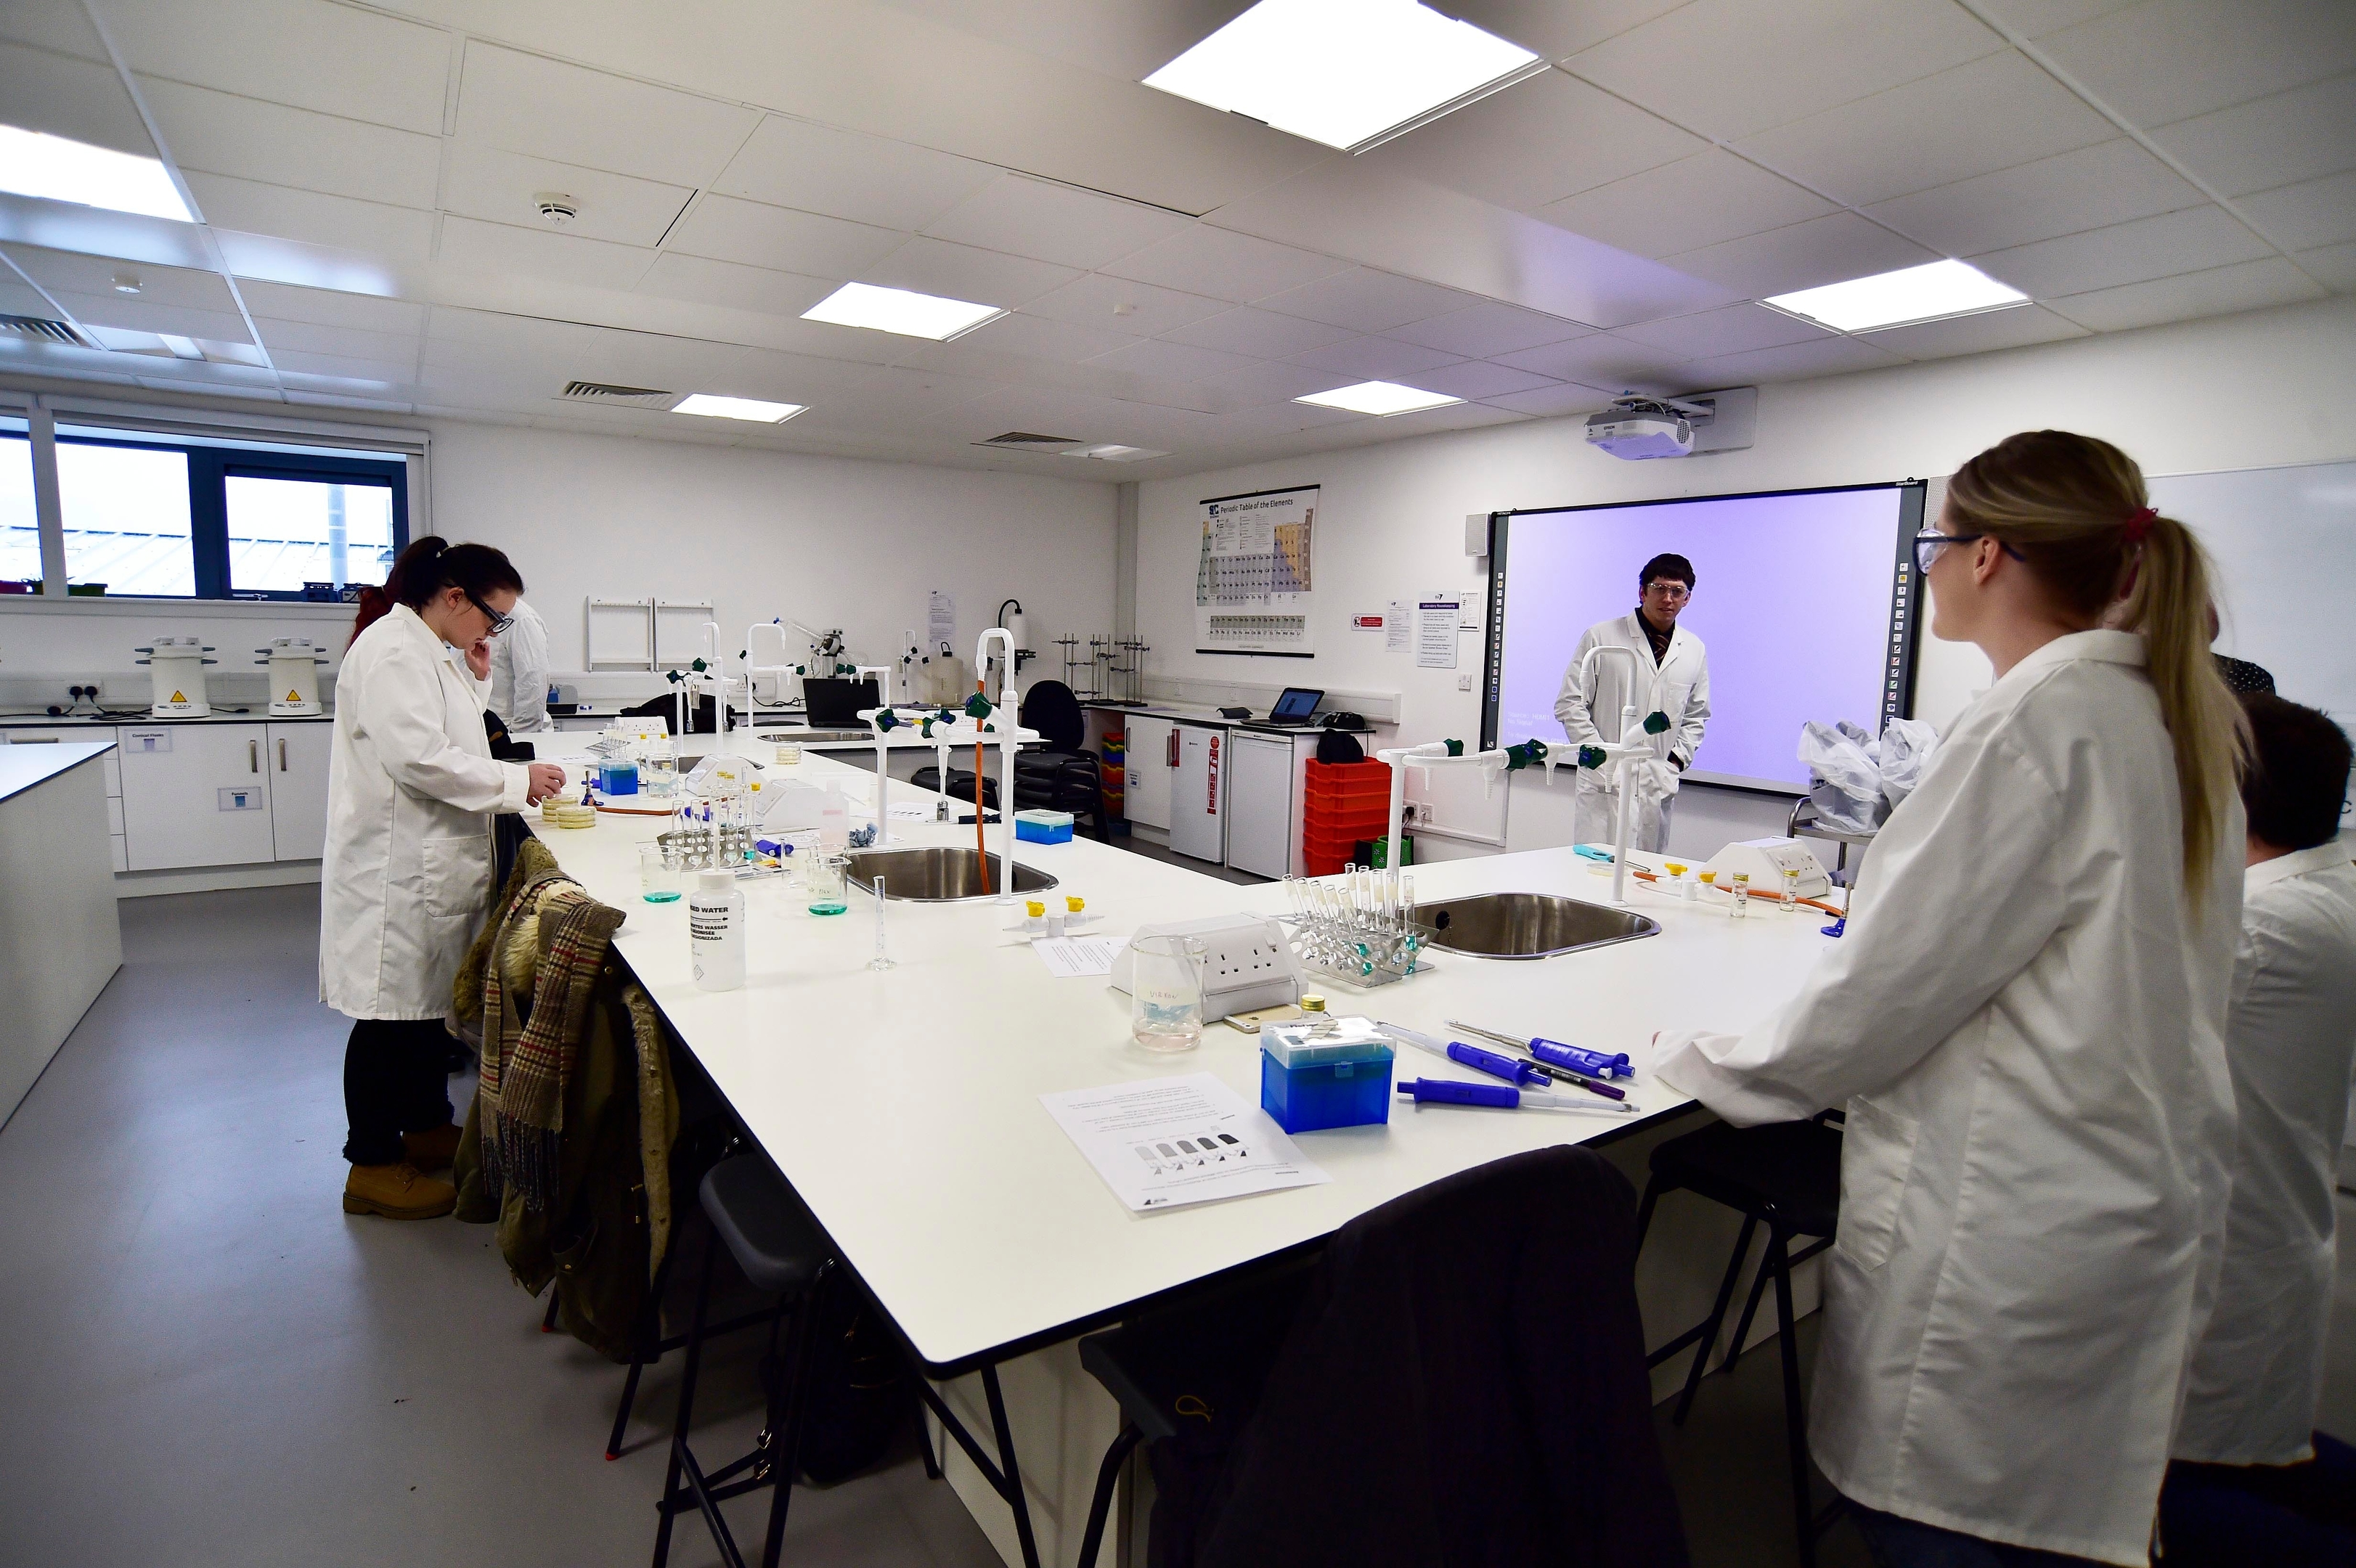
(2026, 1024)
(2291, 1043)
(1677, 686)
(410, 784)
(520, 673)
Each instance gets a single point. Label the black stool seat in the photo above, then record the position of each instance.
(1787, 1169)
(763, 1224)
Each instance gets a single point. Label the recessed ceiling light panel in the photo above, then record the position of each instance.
(33, 163)
(1349, 73)
(719, 408)
(1384, 398)
(1911, 294)
(904, 311)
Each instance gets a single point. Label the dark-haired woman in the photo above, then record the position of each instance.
(407, 875)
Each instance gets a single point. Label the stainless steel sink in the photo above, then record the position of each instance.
(1525, 925)
(810, 737)
(937, 874)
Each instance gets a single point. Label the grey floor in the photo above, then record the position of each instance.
(206, 1362)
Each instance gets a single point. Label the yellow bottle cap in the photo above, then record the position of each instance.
(1075, 905)
(1035, 908)
(1710, 877)
(1675, 870)
(1313, 1003)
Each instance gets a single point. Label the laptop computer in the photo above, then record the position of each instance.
(1297, 706)
(832, 703)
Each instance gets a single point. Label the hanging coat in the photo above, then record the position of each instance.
(2258, 1374)
(411, 786)
(1677, 686)
(2025, 1021)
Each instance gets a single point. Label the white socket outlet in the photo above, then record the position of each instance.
(1463, 683)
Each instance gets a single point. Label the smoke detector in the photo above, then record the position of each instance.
(555, 207)
(126, 282)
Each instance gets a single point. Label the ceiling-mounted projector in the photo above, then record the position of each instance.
(1638, 427)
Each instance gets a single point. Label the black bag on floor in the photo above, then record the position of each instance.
(857, 1402)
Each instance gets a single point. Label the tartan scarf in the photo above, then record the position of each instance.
(530, 1044)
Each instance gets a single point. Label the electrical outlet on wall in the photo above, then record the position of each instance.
(1463, 683)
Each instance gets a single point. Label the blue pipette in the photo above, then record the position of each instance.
(1573, 1058)
(1504, 1096)
(1515, 1073)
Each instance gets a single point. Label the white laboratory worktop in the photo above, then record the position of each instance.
(259, 714)
(904, 1106)
(26, 767)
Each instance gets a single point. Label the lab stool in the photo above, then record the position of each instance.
(779, 1248)
(1783, 1175)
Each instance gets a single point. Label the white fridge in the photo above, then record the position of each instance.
(1198, 793)
(1260, 832)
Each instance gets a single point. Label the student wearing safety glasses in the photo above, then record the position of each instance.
(1671, 677)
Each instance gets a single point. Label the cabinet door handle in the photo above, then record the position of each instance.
(282, 756)
(254, 756)
(1171, 750)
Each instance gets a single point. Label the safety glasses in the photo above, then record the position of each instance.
(1931, 541)
(1675, 593)
(499, 622)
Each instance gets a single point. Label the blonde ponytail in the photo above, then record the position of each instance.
(2076, 511)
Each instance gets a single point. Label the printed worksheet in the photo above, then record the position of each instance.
(1172, 1141)
(1076, 958)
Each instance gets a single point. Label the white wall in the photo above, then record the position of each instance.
(2271, 387)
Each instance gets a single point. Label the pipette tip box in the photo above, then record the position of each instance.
(1309, 1081)
(1044, 827)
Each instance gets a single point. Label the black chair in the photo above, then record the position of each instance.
(960, 791)
(1786, 1177)
(1062, 775)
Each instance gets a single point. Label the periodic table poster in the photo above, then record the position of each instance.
(1252, 580)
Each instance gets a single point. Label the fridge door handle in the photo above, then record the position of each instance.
(281, 754)
(254, 756)
(1172, 748)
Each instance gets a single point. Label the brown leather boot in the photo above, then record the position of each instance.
(431, 1149)
(397, 1192)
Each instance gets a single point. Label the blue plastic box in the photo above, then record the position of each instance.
(618, 778)
(1307, 1083)
(1037, 826)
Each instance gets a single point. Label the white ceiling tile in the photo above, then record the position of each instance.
(1223, 264)
(869, 179)
(318, 269)
(966, 272)
(1729, 68)
(1537, 141)
(1601, 360)
(225, 135)
(767, 290)
(497, 249)
(312, 54)
(1375, 358)
(383, 373)
(64, 272)
(1986, 115)
(2167, 59)
(155, 316)
(2092, 187)
(797, 377)
(727, 228)
(1476, 378)
(1982, 333)
(1561, 399)
(1052, 222)
(572, 115)
(2307, 215)
(2293, 135)
(1792, 362)
(1731, 330)
(2173, 242)
(1452, 416)
(1481, 330)
(80, 99)
(20, 298)
(349, 342)
(1261, 334)
(500, 187)
(2220, 290)
(1553, 29)
(60, 27)
(1270, 383)
(1684, 206)
(1044, 337)
(401, 236)
(2334, 266)
(1366, 300)
(1119, 304)
(2038, 18)
(1821, 250)
(1177, 361)
(323, 308)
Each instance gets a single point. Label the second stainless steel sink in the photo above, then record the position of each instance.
(939, 874)
(1525, 925)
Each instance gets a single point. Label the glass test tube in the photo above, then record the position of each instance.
(883, 959)
(1739, 907)
(1790, 901)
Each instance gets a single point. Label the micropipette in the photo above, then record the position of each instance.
(1578, 1059)
(1447, 1091)
(1511, 1069)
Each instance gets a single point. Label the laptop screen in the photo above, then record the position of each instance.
(1297, 703)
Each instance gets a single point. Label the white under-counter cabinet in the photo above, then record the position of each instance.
(297, 762)
(1152, 758)
(196, 795)
(21, 737)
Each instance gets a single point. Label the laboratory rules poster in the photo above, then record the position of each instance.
(1252, 580)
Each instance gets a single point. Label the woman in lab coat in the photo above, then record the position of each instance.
(407, 873)
(2025, 1022)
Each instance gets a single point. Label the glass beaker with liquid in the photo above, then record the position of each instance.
(1165, 996)
(823, 878)
(662, 877)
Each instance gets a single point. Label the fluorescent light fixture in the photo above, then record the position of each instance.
(1113, 452)
(1349, 73)
(721, 408)
(1911, 295)
(33, 163)
(904, 311)
(1384, 398)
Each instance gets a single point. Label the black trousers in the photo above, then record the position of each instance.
(396, 1080)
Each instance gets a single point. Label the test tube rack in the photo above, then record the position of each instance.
(1358, 929)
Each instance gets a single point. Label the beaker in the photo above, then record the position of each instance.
(823, 878)
(659, 875)
(1166, 992)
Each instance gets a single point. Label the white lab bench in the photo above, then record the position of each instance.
(903, 1107)
(59, 939)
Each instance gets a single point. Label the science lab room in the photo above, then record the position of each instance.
(1177, 784)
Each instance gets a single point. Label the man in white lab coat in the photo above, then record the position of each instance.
(520, 673)
(2257, 1374)
(1672, 678)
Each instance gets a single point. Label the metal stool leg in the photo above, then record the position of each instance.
(789, 1413)
(1750, 1311)
(1100, 1502)
(1644, 1211)
(1716, 1319)
(548, 1319)
(1795, 1433)
(671, 1503)
(1015, 1498)
(647, 1347)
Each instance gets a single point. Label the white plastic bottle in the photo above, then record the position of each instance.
(834, 820)
(715, 932)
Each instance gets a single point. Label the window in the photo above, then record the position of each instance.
(285, 531)
(126, 517)
(20, 529)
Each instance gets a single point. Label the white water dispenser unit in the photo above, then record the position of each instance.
(178, 665)
(294, 676)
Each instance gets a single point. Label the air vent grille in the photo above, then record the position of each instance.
(1025, 438)
(45, 329)
(605, 392)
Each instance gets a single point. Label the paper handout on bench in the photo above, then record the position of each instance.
(1169, 1141)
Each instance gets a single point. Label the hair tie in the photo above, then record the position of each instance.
(2137, 527)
